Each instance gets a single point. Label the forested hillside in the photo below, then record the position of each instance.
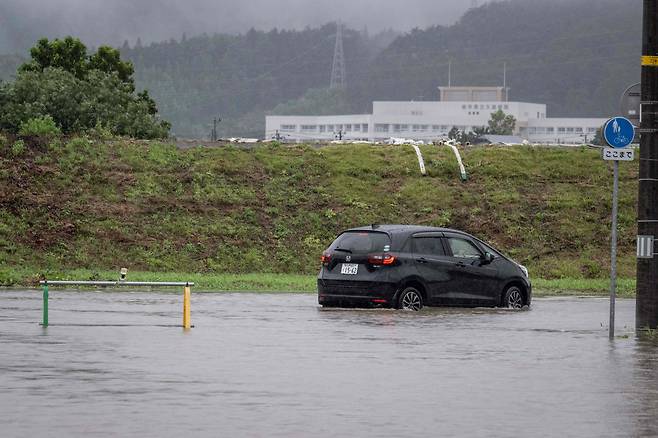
(241, 77)
(575, 55)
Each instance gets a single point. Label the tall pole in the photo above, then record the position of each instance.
(449, 73)
(613, 254)
(338, 80)
(44, 321)
(646, 313)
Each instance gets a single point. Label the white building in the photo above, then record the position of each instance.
(465, 108)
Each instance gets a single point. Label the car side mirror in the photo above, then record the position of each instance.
(488, 258)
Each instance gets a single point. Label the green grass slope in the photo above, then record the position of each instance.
(100, 205)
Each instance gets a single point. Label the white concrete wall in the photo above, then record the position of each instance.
(325, 128)
(563, 130)
(433, 120)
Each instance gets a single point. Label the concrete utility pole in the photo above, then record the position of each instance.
(213, 133)
(647, 268)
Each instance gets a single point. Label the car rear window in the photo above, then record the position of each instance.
(362, 242)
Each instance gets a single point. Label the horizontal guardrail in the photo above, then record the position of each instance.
(186, 285)
(117, 283)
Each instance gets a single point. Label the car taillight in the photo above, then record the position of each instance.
(325, 259)
(381, 259)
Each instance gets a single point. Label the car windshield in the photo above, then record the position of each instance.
(361, 242)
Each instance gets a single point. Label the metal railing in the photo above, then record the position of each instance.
(186, 285)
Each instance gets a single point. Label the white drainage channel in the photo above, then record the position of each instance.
(421, 162)
(462, 169)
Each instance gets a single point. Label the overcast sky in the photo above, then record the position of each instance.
(113, 21)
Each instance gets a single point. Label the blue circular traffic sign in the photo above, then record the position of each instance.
(619, 132)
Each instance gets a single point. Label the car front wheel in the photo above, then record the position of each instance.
(513, 298)
(411, 299)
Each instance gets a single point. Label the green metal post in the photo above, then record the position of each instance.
(45, 305)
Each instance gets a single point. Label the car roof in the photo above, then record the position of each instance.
(405, 229)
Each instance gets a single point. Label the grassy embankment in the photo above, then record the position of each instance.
(82, 209)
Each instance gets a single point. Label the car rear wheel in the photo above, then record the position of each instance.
(411, 299)
(513, 298)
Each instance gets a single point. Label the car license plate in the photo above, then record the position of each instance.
(349, 269)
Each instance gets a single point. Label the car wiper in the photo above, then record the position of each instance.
(343, 250)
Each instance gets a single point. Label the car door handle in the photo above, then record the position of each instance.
(422, 260)
(461, 264)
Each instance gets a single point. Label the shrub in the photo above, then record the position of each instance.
(18, 148)
(39, 126)
(62, 89)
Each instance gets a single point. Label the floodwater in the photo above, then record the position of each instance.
(260, 365)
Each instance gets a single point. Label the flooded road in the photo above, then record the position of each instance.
(259, 365)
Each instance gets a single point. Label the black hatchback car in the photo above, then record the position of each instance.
(407, 267)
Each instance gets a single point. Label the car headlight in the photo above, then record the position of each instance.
(525, 271)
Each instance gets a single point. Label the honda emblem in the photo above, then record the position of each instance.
(348, 258)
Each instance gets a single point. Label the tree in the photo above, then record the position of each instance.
(501, 124)
(108, 60)
(76, 92)
(70, 54)
(598, 137)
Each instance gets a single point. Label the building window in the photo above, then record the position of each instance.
(591, 130)
(381, 127)
(463, 106)
(436, 128)
(579, 130)
(364, 127)
(506, 106)
(323, 128)
(348, 128)
(396, 128)
(339, 127)
(532, 130)
(500, 107)
(357, 127)
(309, 128)
(288, 128)
(561, 130)
(570, 130)
(330, 128)
(416, 113)
(550, 130)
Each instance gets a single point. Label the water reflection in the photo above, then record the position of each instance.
(643, 389)
(277, 365)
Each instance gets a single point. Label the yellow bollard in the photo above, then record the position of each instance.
(186, 308)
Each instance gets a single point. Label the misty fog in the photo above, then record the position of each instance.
(114, 21)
